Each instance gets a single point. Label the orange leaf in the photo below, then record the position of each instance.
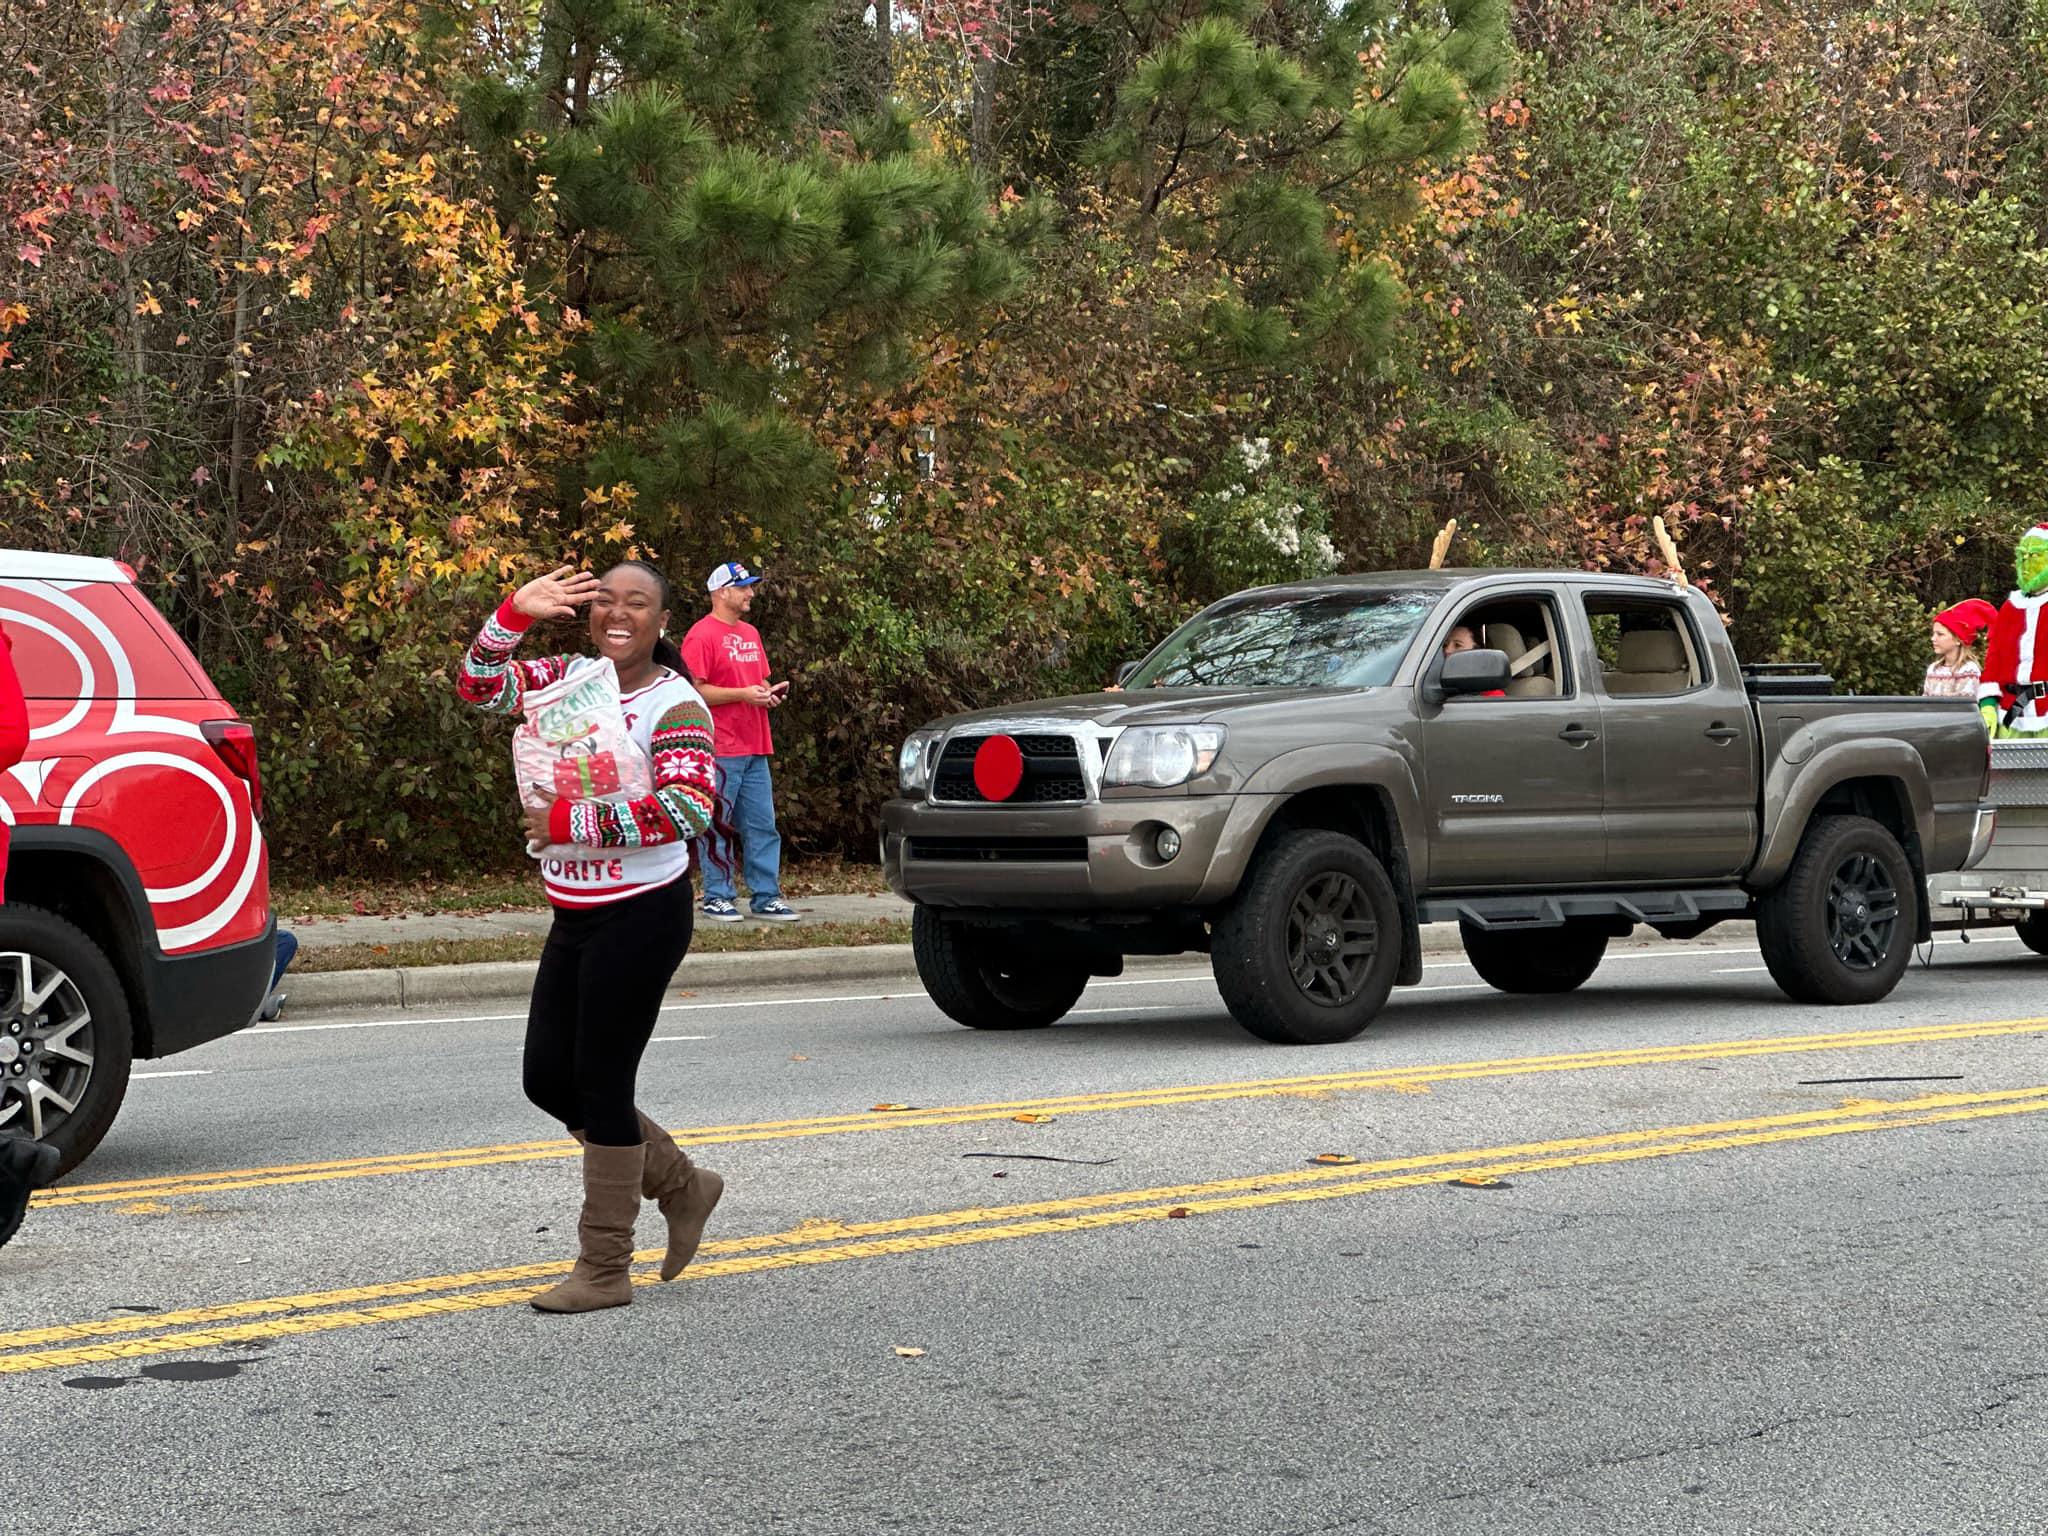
(1333, 1157)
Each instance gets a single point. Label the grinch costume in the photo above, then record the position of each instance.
(2015, 678)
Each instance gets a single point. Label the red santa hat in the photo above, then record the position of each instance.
(1968, 619)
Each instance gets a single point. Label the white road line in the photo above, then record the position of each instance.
(669, 1039)
(136, 1077)
(913, 994)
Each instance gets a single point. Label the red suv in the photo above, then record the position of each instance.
(137, 916)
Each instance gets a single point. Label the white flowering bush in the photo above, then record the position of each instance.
(1251, 525)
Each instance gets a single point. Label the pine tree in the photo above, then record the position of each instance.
(722, 236)
(1272, 144)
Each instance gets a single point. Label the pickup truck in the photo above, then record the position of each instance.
(1300, 776)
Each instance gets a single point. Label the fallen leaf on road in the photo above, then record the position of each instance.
(908, 1351)
(1031, 1119)
(1481, 1181)
(799, 1058)
(1177, 1213)
(884, 1109)
(1333, 1158)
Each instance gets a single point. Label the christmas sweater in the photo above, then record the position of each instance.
(634, 846)
(2017, 652)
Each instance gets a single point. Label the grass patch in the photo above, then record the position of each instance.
(518, 892)
(711, 939)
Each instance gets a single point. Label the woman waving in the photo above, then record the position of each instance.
(616, 875)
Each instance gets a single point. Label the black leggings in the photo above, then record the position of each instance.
(595, 999)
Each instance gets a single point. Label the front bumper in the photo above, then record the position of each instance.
(1072, 857)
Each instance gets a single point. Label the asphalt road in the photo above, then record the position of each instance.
(1668, 1255)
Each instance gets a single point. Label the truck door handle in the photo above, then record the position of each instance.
(1577, 735)
(1719, 732)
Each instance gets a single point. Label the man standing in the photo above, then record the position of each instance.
(723, 652)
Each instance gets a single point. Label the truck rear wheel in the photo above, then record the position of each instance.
(64, 1034)
(1839, 927)
(980, 981)
(1307, 953)
(1535, 960)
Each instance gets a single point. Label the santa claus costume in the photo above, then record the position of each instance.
(2014, 686)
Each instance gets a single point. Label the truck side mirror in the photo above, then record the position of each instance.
(1462, 674)
(1124, 671)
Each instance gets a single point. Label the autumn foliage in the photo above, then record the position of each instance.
(999, 334)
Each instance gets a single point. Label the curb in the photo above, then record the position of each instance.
(497, 981)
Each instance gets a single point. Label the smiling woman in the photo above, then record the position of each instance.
(616, 872)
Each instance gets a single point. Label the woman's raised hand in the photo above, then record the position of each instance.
(556, 595)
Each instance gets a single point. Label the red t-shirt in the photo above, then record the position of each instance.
(730, 656)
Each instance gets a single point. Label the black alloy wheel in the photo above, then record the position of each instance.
(1863, 909)
(1332, 939)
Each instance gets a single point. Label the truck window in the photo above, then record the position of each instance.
(1526, 631)
(1645, 648)
(1346, 638)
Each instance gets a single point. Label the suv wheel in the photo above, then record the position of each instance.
(1839, 927)
(64, 1034)
(1535, 960)
(1307, 953)
(980, 981)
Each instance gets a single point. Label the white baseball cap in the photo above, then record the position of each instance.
(730, 574)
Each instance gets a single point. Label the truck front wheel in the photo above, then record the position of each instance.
(1307, 953)
(64, 1035)
(979, 980)
(1839, 927)
(1535, 960)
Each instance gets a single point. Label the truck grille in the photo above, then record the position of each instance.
(1052, 772)
(999, 850)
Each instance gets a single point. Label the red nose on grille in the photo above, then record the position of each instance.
(998, 767)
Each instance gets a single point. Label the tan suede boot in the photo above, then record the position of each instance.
(685, 1192)
(611, 1200)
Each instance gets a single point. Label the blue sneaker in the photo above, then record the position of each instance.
(720, 910)
(776, 910)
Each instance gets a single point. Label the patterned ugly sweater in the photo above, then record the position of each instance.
(604, 851)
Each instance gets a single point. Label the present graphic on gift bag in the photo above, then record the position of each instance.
(586, 775)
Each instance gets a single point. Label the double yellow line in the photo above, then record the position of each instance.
(866, 1122)
(274, 1318)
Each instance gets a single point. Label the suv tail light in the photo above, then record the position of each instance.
(236, 744)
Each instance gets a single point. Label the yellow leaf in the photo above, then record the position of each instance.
(908, 1351)
(1333, 1157)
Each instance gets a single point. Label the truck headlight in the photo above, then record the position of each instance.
(913, 762)
(1161, 756)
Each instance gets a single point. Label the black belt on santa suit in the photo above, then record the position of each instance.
(2023, 694)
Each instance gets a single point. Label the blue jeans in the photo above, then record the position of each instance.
(748, 791)
(287, 948)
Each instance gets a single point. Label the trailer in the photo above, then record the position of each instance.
(2010, 883)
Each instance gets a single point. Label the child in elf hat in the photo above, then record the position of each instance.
(1955, 671)
(2014, 685)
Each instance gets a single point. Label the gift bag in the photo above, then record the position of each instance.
(573, 743)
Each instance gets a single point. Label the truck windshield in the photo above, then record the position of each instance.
(1330, 639)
